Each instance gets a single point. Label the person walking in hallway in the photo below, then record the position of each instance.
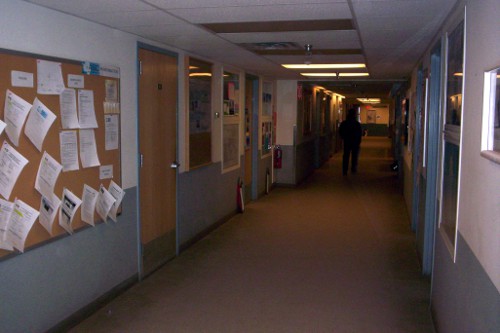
(350, 131)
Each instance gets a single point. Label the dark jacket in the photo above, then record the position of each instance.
(350, 131)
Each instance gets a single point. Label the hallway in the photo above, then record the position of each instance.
(333, 255)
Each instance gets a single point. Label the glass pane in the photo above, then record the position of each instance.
(496, 123)
(451, 155)
(200, 108)
(267, 99)
(455, 76)
(450, 188)
(231, 94)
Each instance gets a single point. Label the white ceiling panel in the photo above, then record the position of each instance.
(165, 30)
(77, 7)
(396, 8)
(345, 39)
(396, 39)
(177, 4)
(393, 33)
(131, 19)
(265, 13)
(317, 59)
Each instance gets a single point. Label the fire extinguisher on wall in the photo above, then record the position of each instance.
(278, 156)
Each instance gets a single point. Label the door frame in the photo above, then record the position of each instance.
(148, 47)
(433, 127)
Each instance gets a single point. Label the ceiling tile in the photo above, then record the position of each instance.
(131, 19)
(177, 4)
(77, 7)
(265, 13)
(347, 39)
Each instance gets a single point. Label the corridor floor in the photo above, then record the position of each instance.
(335, 254)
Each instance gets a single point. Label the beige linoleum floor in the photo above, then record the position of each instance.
(335, 254)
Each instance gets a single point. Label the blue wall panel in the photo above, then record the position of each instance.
(43, 286)
(464, 299)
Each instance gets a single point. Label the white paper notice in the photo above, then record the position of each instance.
(118, 193)
(89, 200)
(76, 81)
(69, 150)
(86, 109)
(111, 128)
(50, 78)
(48, 211)
(15, 112)
(38, 124)
(6, 208)
(111, 90)
(104, 203)
(21, 221)
(69, 116)
(88, 149)
(2, 126)
(21, 79)
(47, 175)
(69, 206)
(11, 165)
(106, 171)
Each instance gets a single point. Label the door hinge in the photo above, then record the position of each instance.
(141, 160)
(140, 67)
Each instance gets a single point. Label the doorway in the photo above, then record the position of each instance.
(158, 151)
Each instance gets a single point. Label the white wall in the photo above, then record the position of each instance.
(286, 106)
(479, 203)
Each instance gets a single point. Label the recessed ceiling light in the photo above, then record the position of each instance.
(369, 100)
(322, 66)
(200, 74)
(320, 74)
(353, 74)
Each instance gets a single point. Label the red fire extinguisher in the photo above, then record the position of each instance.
(278, 156)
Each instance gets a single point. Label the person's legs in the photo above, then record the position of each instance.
(354, 161)
(345, 159)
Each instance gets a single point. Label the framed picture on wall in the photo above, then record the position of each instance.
(371, 116)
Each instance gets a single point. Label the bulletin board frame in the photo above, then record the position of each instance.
(24, 188)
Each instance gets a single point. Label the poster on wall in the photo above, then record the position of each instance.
(199, 106)
(267, 137)
(371, 116)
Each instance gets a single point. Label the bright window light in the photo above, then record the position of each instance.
(322, 66)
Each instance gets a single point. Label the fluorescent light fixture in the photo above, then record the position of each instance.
(369, 100)
(320, 74)
(339, 95)
(322, 66)
(353, 74)
(200, 74)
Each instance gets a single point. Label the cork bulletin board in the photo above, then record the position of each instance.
(103, 82)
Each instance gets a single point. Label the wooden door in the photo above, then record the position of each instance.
(157, 146)
(248, 134)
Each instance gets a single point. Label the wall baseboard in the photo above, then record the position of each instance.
(88, 310)
(202, 234)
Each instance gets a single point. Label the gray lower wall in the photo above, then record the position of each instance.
(286, 175)
(464, 299)
(205, 197)
(304, 160)
(43, 286)
(264, 164)
(376, 129)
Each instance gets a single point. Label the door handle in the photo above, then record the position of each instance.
(174, 165)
